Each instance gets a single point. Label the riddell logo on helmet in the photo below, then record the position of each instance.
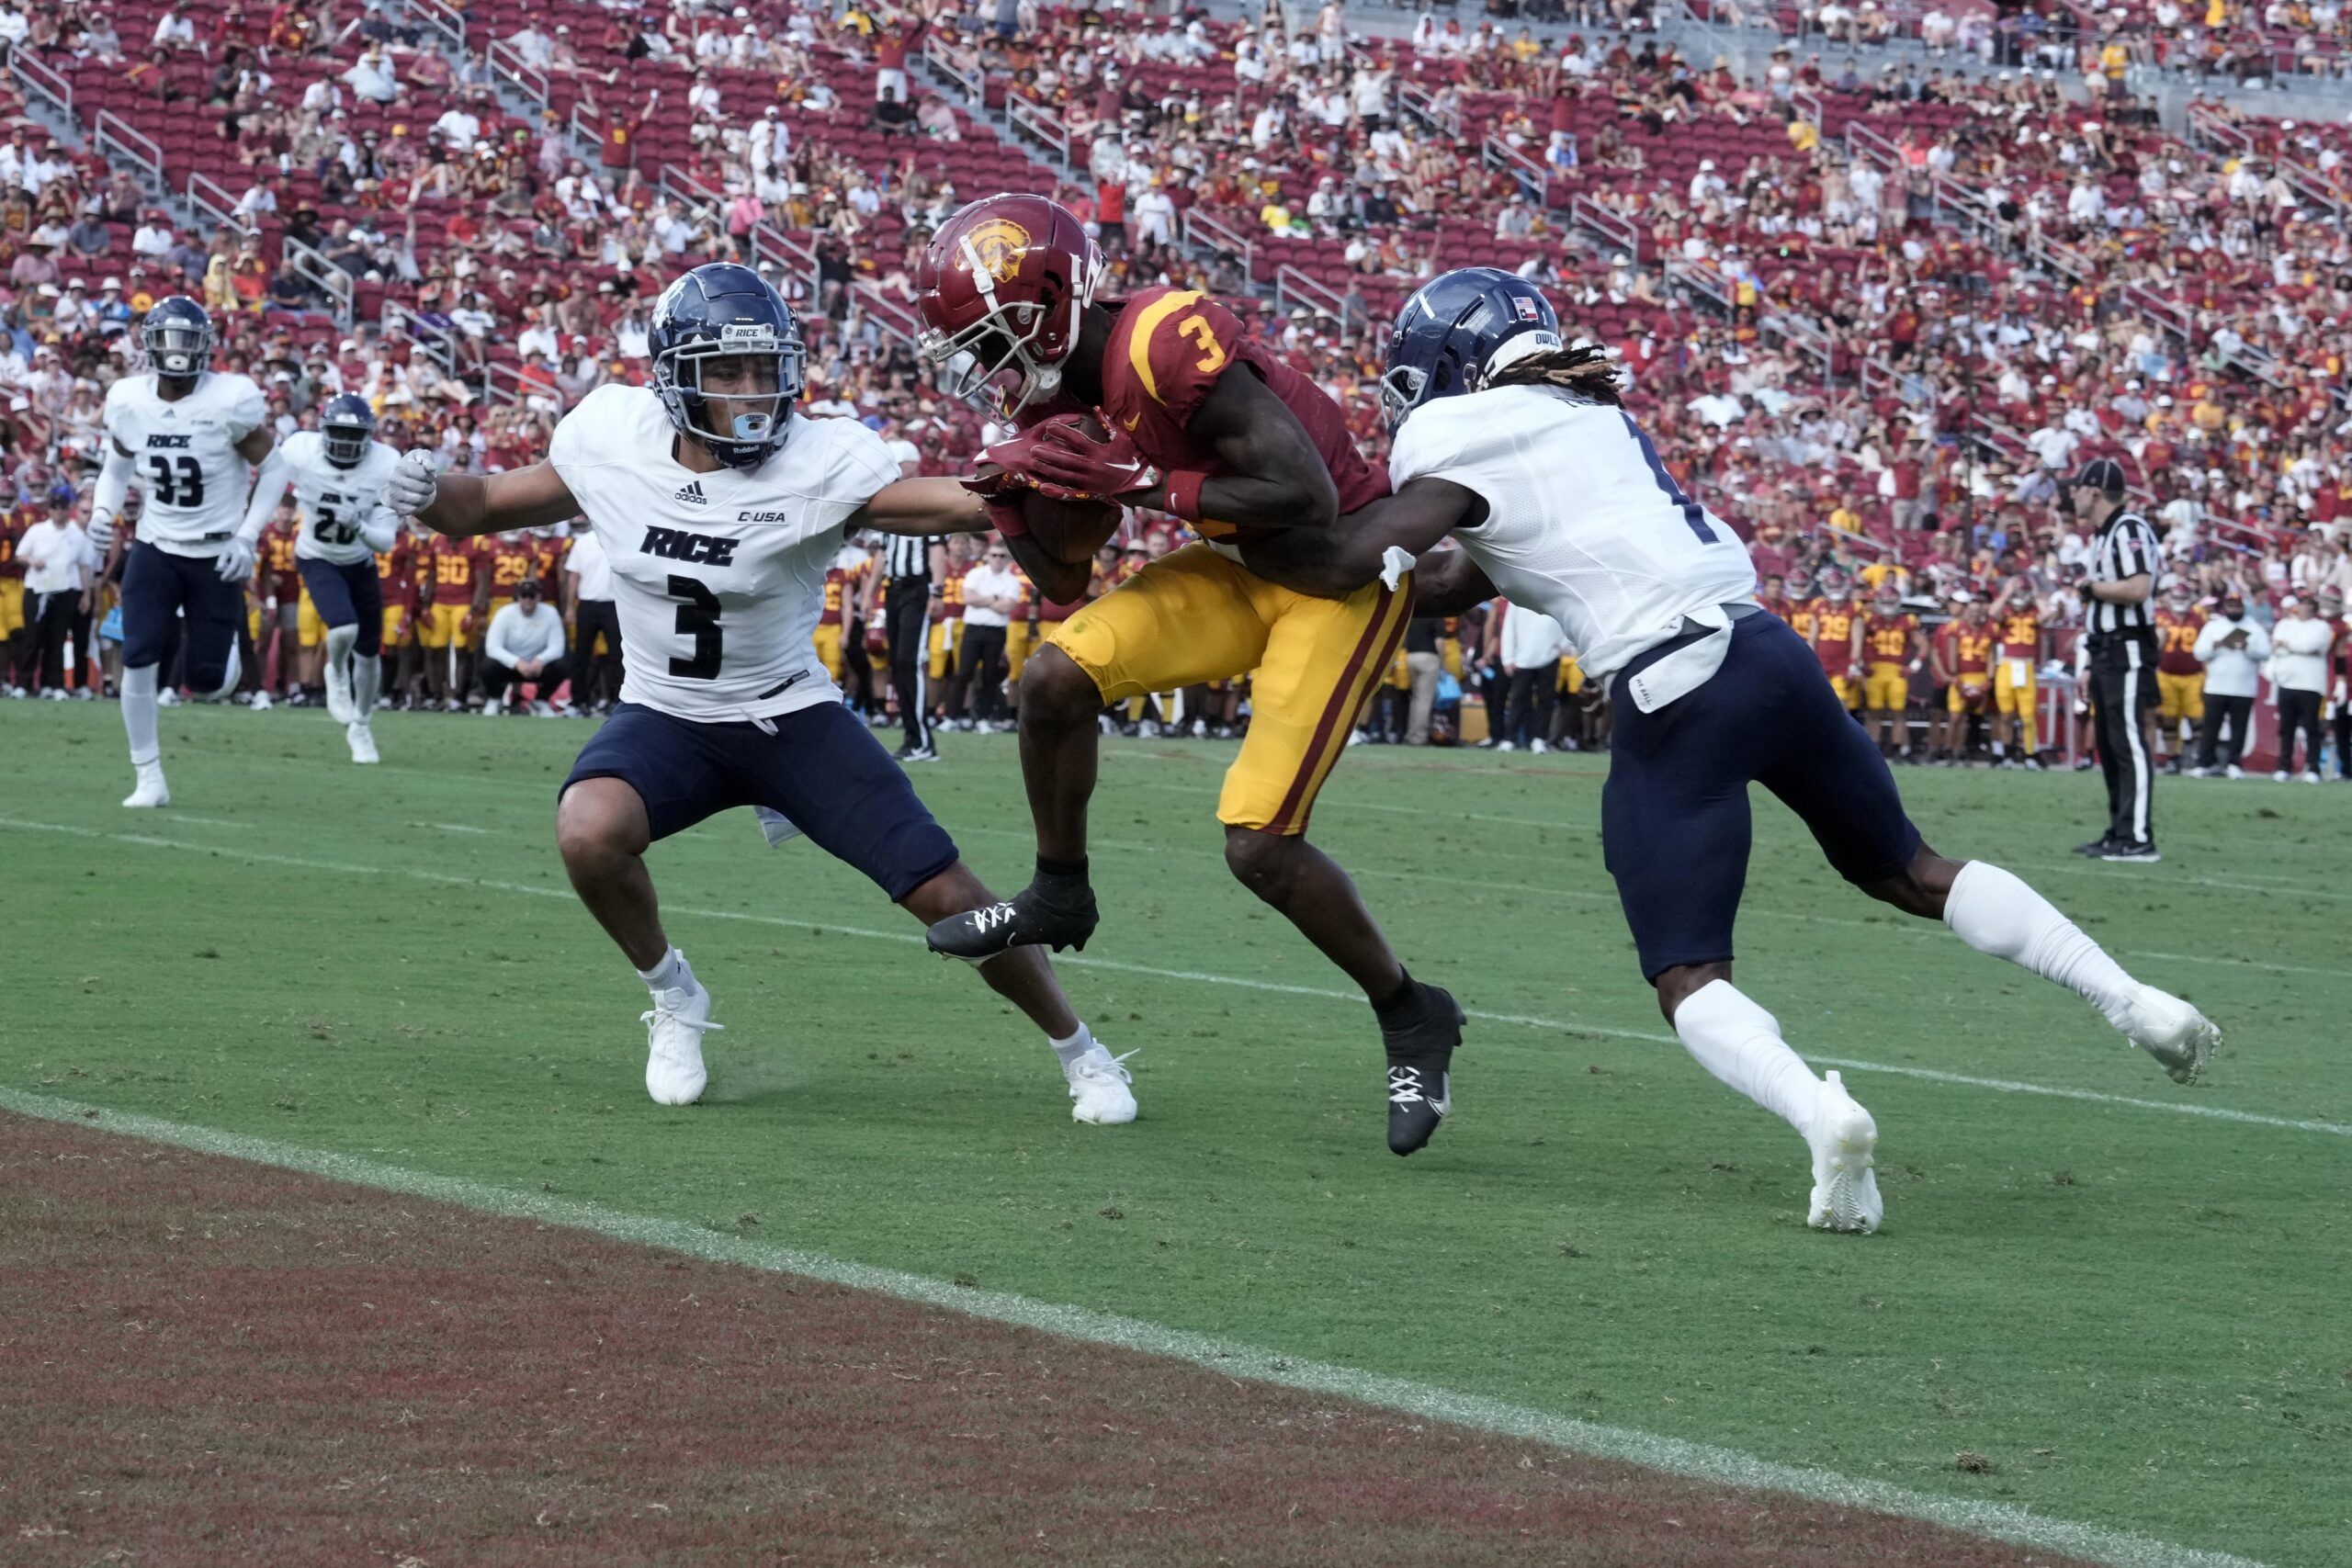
(998, 245)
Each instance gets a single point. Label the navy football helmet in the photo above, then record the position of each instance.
(177, 337)
(719, 312)
(348, 424)
(1456, 329)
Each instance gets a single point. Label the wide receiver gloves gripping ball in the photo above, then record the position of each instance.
(1056, 483)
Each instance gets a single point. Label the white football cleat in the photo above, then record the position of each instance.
(1844, 1187)
(362, 741)
(675, 1026)
(2180, 1038)
(339, 703)
(152, 790)
(1098, 1085)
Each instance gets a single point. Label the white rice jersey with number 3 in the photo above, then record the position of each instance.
(193, 485)
(334, 501)
(1583, 522)
(718, 578)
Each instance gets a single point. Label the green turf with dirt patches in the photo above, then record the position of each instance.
(2134, 1315)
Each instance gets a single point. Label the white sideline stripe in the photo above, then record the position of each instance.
(442, 826)
(1080, 961)
(1675, 1456)
(207, 821)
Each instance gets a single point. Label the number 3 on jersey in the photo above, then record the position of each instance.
(698, 621)
(175, 482)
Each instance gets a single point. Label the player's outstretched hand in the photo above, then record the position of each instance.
(235, 561)
(1072, 457)
(414, 484)
(101, 532)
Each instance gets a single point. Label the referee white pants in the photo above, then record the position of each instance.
(2123, 687)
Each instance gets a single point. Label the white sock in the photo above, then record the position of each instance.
(138, 715)
(1994, 912)
(230, 673)
(367, 680)
(1740, 1043)
(1077, 1046)
(340, 642)
(670, 975)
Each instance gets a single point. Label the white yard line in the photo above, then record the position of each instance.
(439, 827)
(1675, 1456)
(1080, 961)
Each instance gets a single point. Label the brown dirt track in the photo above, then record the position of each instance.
(205, 1361)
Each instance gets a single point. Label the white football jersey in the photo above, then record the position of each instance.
(1583, 521)
(192, 483)
(719, 578)
(335, 501)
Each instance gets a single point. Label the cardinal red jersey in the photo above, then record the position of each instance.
(2020, 633)
(509, 562)
(1887, 638)
(396, 574)
(1169, 347)
(1833, 635)
(836, 595)
(453, 562)
(279, 575)
(949, 605)
(12, 530)
(1966, 649)
(2176, 640)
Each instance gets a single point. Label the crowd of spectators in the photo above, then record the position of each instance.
(1869, 309)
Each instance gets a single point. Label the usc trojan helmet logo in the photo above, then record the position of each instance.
(996, 248)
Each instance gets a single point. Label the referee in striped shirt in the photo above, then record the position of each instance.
(2118, 599)
(916, 571)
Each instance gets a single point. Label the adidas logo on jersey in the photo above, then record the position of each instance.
(692, 495)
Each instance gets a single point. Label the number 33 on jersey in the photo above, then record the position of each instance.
(718, 578)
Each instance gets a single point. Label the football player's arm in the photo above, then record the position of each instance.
(1334, 562)
(464, 506)
(1275, 477)
(269, 488)
(921, 506)
(260, 448)
(113, 489)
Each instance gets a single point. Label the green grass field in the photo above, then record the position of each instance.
(2137, 1317)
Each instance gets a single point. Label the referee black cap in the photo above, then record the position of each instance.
(2103, 474)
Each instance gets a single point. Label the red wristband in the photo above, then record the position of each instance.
(1183, 488)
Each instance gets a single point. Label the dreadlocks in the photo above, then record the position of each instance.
(1585, 371)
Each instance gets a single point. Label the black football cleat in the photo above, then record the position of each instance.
(1027, 919)
(2097, 849)
(1420, 1079)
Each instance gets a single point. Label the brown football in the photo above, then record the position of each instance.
(1069, 531)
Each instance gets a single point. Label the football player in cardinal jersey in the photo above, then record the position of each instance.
(1516, 445)
(2016, 655)
(338, 472)
(717, 507)
(190, 438)
(1202, 421)
(2180, 679)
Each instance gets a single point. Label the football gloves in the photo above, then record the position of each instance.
(1000, 492)
(1062, 459)
(235, 561)
(414, 484)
